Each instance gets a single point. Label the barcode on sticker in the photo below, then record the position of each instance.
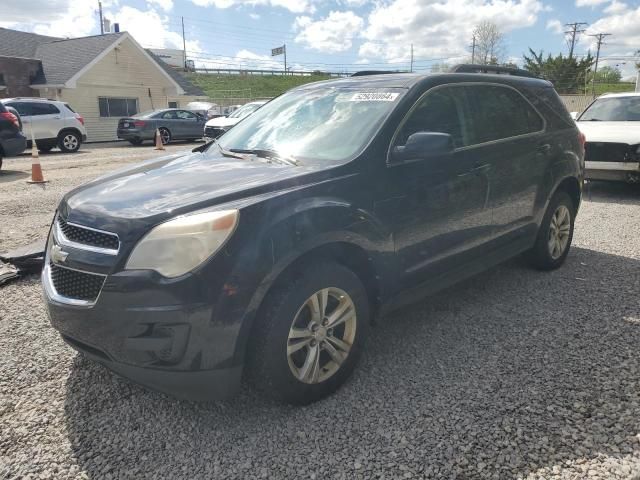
(374, 97)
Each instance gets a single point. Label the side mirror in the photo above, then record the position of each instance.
(423, 145)
(574, 115)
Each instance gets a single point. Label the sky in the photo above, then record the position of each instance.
(340, 35)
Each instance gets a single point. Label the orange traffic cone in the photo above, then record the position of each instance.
(36, 169)
(159, 144)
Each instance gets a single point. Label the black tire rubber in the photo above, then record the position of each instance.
(539, 256)
(44, 147)
(135, 141)
(163, 129)
(267, 365)
(61, 145)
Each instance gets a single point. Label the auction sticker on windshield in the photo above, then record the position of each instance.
(374, 97)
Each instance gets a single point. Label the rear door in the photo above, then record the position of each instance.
(509, 133)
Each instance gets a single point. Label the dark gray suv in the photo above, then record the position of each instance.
(267, 254)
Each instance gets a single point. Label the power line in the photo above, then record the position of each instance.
(573, 33)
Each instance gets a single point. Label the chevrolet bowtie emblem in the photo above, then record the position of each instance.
(58, 255)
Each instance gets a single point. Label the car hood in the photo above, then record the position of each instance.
(158, 189)
(222, 122)
(615, 132)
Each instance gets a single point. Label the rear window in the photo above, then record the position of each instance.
(69, 107)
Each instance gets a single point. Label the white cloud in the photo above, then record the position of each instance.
(295, 6)
(331, 34)
(616, 7)
(255, 16)
(555, 26)
(151, 29)
(165, 5)
(590, 3)
(623, 27)
(439, 29)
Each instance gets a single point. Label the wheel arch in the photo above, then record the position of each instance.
(69, 130)
(572, 187)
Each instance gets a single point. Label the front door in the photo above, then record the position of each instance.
(437, 206)
(43, 118)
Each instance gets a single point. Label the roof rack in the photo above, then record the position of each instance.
(493, 69)
(364, 73)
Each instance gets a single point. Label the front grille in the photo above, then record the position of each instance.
(74, 284)
(213, 132)
(89, 237)
(610, 152)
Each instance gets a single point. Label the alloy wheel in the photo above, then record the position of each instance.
(559, 231)
(321, 335)
(165, 136)
(70, 142)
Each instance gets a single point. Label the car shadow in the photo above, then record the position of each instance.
(12, 175)
(612, 192)
(541, 366)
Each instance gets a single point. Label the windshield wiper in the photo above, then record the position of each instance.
(268, 154)
(229, 153)
(592, 120)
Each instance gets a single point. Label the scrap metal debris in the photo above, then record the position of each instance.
(22, 261)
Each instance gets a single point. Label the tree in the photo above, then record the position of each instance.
(490, 44)
(568, 75)
(607, 75)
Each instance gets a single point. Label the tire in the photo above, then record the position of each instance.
(44, 147)
(284, 377)
(552, 243)
(135, 141)
(165, 135)
(69, 142)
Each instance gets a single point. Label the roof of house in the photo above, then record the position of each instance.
(14, 43)
(62, 59)
(188, 87)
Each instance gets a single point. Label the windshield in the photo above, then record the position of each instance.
(330, 124)
(613, 109)
(245, 110)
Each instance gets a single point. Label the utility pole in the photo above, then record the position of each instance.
(473, 50)
(411, 70)
(184, 46)
(600, 37)
(101, 19)
(285, 58)
(573, 33)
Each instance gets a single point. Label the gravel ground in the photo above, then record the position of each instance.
(512, 374)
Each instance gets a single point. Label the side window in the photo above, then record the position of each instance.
(184, 115)
(117, 107)
(170, 115)
(442, 111)
(21, 107)
(500, 112)
(38, 108)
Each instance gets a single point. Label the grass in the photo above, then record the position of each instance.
(249, 86)
(612, 88)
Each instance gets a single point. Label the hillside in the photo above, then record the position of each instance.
(249, 86)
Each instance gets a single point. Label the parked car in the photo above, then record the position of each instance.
(207, 110)
(611, 125)
(269, 252)
(172, 123)
(54, 123)
(12, 141)
(217, 126)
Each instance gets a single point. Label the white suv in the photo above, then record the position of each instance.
(54, 123)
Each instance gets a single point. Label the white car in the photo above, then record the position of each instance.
(217, 126)
(611, 125)
(54, 123)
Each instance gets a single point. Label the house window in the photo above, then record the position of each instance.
(173, 104)
(117, 107)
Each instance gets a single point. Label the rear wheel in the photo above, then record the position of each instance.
(312, 332)
(165, 135)
(555, 234)
(69, 142)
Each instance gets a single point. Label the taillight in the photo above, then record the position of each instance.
(139, 123)
(583, 139)
(11, 117)
(80, 118)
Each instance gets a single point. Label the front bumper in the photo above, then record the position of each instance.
(160, 333)
(614, 171)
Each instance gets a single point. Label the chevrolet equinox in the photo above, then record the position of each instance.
(267, 254)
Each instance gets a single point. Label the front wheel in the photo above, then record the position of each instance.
(311, 334)
(165, 135)
(69, 142)
(555, 234)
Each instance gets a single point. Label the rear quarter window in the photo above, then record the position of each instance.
(548, 102)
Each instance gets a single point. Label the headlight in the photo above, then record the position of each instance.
(180, 245)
